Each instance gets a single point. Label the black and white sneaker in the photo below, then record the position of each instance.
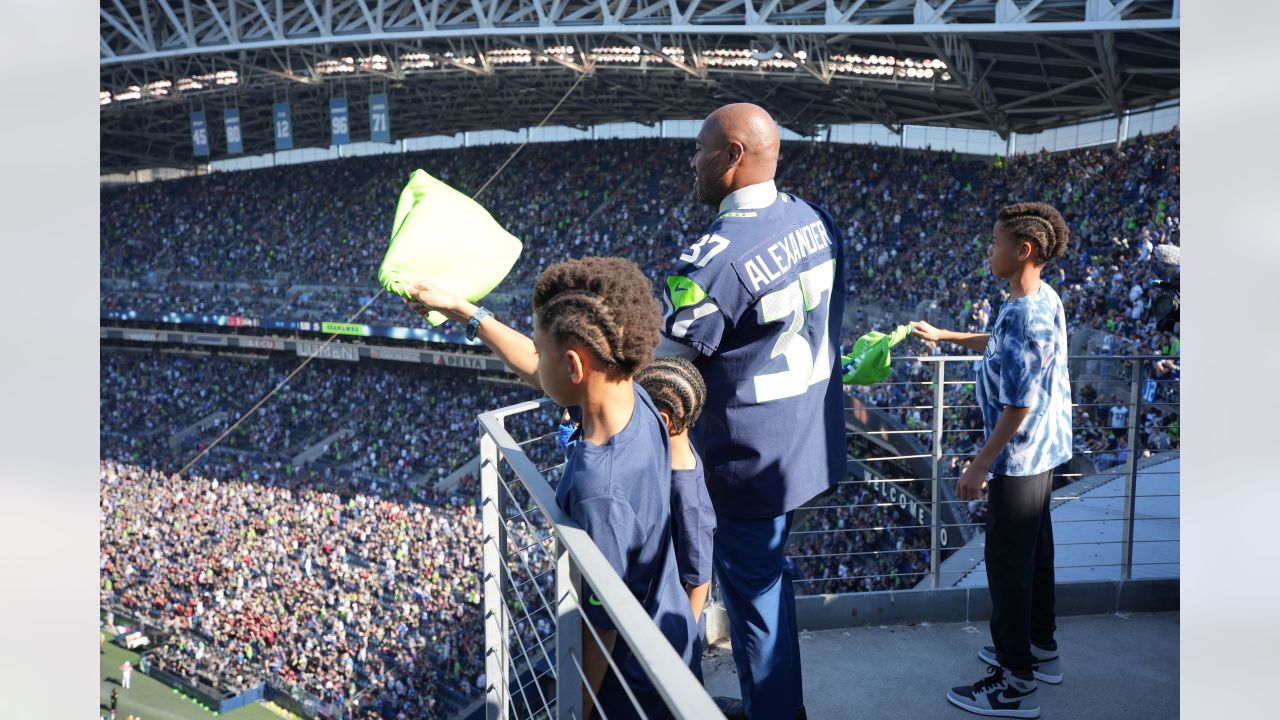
(999, 694)
(1047, 667)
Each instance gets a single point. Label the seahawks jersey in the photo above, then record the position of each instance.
(760, 297)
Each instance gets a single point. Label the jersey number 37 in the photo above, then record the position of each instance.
(801, 301)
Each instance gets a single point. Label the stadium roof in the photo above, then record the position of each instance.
(460, 65)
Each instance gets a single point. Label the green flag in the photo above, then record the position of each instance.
(869, 361)
(444, 236)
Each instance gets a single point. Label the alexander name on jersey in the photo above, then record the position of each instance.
(772, 263)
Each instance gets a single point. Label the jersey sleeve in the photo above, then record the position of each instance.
(697, 296)
(611, 524)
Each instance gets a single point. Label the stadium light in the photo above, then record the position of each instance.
(416, 61)
(729, 58)
(329, 67)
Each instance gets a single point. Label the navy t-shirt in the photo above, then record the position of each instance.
(761, 297)
(694, 524)
(693, 518)
(620, 493)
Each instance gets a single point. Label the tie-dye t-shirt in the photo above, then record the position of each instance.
(1025, 365)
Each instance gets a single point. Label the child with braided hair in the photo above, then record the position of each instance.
(678, 391)
(1024, 393)
(595, 325)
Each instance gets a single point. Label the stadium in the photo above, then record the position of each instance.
(315, 504)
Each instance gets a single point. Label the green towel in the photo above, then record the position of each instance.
(869, 361)
(446, 237)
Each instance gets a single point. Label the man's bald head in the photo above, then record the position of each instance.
(736, 147)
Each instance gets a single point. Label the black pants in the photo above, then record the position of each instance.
(1019, 556)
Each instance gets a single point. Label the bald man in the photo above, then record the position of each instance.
(756, 303)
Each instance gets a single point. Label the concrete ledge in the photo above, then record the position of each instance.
(451, 481)
(176, 438)
(314, 451)
(1157, 595)
(908, 607)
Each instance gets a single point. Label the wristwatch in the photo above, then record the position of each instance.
(473, 325)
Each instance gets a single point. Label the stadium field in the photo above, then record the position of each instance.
(153, 700)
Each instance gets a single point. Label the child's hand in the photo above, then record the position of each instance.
(972, 482)
(922, 329)
(434, 297)
(566, 431)
(417, 307)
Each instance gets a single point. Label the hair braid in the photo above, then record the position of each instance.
(676, 387)
(1039, 224)
(604, 304)
(581, 315)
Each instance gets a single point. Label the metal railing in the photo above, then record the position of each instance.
(535, 561)
(930, 408)
(893, 523)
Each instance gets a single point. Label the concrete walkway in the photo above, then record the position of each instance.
(1115, 666)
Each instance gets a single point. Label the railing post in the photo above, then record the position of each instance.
(568, 637)
(497, 664)
(1131, 469)
(935, 549)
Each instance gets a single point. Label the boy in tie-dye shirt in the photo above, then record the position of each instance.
(1025, 396)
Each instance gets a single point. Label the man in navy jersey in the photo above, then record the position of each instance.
(756, 303)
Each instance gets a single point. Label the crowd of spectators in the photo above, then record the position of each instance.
(387, 422)
(916, 221)
(854, 540)
(353, 578)
(345, 596)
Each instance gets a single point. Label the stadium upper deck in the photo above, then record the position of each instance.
(451, 66)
